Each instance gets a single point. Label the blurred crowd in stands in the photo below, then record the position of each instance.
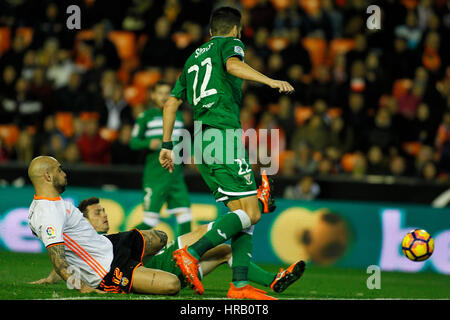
(367, 102)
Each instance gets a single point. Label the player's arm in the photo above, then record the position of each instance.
(240, 69)
(138, 140)
(169, 115)
(58, 258)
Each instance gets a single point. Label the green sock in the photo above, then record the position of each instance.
(241, 247)
(223, 229)
(260, 276)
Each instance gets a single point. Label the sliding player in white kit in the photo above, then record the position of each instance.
(111, 263)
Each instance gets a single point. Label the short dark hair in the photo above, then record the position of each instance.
(160, 83)
(223, 19)
(86, 203)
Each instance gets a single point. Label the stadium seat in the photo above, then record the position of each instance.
(82, 35)
(401, 87)
(26, 33)
(339, 46)
(249, 4)
(9, 133)
(302, 113)
(277, 43)
(135, 95)
(348, 162)
(285, 155)
(412, 147)
(146, 79)
(125, 42)
(310, 6)
(334, 112)
(64, 123)
(281, 5)
(108, 134)
(316, 48)
(5, 39)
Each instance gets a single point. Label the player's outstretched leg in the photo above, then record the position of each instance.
(248, 292)
(188, 265)
(287, 277)
(265, 194)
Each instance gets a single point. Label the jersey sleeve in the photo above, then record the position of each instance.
(49, 225)
(179, 90)
(233, 48)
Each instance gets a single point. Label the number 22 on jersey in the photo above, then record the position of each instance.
(203, 91)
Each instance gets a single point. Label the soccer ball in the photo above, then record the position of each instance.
(418, 245)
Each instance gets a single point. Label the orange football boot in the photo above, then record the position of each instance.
(248, 292)
(264, 194)
(189, 268)
(287, 277)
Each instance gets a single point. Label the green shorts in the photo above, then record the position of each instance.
(165, 187)
(163, 261)
(224, 164)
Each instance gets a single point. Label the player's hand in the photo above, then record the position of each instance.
(282, 86)
(165, 159)
(41, 281)
(86, 289)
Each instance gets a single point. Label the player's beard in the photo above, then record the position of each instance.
(60, 187)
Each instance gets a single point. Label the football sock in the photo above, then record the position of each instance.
(223, 229)
(184, 222)
(151, 219)
(260, 276)
(241, 248)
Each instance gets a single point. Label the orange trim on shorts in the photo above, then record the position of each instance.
(132, 275)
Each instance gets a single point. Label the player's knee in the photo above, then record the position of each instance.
(161, 237)
(254, 215)
(173, 285)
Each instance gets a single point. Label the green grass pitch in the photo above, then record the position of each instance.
(17, 269)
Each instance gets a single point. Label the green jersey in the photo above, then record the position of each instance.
(149, 126)
(214, 94)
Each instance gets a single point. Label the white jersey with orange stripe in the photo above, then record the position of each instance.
(58, 222)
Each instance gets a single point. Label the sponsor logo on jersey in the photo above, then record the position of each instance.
(201, 51)
(239, 50)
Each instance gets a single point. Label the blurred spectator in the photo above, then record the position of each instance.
(102, 47)
(442, 142)
(115, 110)
(60, 69)
(71, 97)
(382, 133)
(315, 133)
(410, 31)
(376, 162)
(159, 48)
(305, 189)
(120, 148)
(429, 171)
(305, 162)
(23, 149)
(341, 136)
(93, 148)
(425, 155)
(397, 166)
(14, 56)
(22, 108)
(71, 154)
(356, 117)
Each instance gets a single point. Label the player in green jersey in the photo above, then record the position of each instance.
(159, 186)
(211, 82)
